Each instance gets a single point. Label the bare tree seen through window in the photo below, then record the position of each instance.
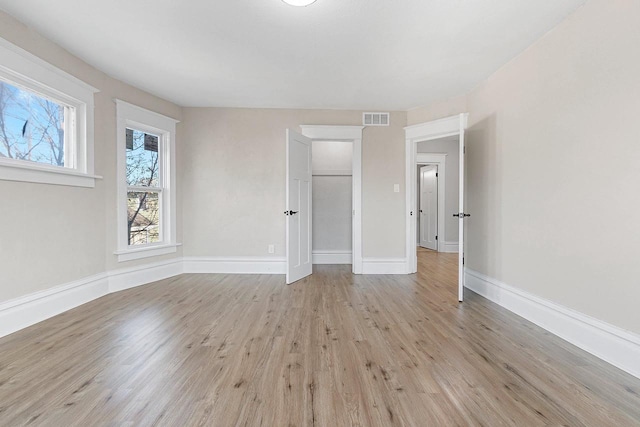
(31, 126)
(143, 207)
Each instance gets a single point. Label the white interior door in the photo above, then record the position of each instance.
(429, 207)
(298, 211)
(461, 215)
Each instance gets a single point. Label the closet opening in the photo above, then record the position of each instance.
(332, 202)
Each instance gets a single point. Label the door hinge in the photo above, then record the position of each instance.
(462, 260)
(436, 237)
(436, 174)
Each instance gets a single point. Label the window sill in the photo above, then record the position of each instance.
(12, 170)
(146, 251)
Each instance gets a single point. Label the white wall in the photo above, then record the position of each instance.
(332, 219)
(232, 172)
(450, 147)
(332, 156)
(52, 235)
(553, 156)
(439, 110)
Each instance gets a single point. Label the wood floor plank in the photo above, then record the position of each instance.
(333, 349)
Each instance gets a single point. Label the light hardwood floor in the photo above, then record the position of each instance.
(331, 350)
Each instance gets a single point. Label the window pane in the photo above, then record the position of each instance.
(31, 127)
(143, 217)
(142, 159)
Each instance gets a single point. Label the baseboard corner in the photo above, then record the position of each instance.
(610, 343)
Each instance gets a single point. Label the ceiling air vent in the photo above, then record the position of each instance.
(375, 119)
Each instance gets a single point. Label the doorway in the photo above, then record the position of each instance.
(332, 187)
(423, 142)
(295, 232)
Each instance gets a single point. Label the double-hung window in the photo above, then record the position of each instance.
(46, 122)
(146, 183)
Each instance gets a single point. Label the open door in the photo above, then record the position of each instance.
(461, 214)
(298, 211)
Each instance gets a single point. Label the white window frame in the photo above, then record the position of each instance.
(134, 117)
(24, 70)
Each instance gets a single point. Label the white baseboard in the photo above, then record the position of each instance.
(384, 266)
(614, 345)
(30, 309)
(449, 247)
(126, 278)
(332, 257)
(236, 265)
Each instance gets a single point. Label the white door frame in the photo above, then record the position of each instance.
(448, 126)
(440, 160)
(351, 134)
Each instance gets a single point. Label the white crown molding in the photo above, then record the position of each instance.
(614, 345)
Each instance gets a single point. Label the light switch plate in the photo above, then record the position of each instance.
(396, 188)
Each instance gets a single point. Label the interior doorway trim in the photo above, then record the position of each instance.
(436, 129)
(438, 159)
(351, 134)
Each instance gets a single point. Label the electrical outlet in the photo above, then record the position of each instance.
(272, 249)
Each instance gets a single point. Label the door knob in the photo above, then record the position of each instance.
(461, 215)
(290, 212)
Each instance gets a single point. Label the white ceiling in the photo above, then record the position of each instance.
(338, 54)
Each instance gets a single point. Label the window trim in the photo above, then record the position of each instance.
(132, 116)
(32, 73)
